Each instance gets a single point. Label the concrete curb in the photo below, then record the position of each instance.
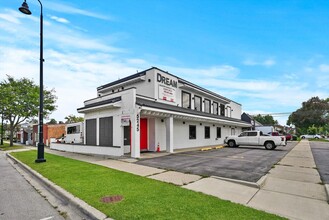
(79, 204)
(259, 184)
(326, 187)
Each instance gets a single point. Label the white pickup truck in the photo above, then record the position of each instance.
(255, 138)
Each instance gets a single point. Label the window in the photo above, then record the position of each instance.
(252, 134)
(207, 105)
(206, 132)
(229, 111)
(219, 132)
(73, 129)
(222, 110)
(192, 132)
(244, 134)
(197, 103)
(186, 100)
(215, 110)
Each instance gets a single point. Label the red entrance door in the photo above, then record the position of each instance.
(143, 134)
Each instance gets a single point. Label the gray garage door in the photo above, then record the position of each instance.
(106, 131)
(91, 132)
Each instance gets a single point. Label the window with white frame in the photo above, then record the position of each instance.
(207, 105)
(197, 103)
(215, 108)
(186, 100)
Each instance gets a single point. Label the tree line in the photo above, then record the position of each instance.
(19, 102)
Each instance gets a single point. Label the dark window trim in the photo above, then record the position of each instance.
(190, 136)
(208, 106)
(216, 108)
(200, 102)
(222, 110)
(219, 134)
(189, 99)
(205, 133)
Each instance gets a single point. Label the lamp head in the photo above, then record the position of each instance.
(25, 8)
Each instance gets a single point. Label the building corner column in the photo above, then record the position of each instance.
(135, 135)
(170, 134)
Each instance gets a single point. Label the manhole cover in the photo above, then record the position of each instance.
(112, 199)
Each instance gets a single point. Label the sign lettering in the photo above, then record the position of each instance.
(167, 81)
(137, 122)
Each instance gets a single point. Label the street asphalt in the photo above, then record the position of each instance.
(245, 163)
(18, 200)
(320, 151)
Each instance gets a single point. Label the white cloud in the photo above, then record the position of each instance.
(213, 71)
(266, 63)
(60, 7)
(60, 20)
(324, 68)
(10, 18)
(291, 76)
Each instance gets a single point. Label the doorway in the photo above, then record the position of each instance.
(143, 134)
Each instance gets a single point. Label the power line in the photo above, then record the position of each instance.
(274, 114)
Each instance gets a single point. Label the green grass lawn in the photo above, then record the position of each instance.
(143, 198)
(6, 147)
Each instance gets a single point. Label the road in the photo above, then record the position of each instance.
(320, 151)
(18, 199)
(246, 163)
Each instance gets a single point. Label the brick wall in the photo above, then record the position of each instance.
(49, 131)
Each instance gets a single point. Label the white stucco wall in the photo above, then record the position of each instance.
(181, 134)
(85, 149)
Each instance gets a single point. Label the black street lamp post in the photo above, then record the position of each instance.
(1, 142)
(25, 9)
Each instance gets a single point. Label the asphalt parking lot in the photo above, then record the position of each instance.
(246, 163)
(320, 151)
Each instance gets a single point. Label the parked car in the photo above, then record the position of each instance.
(288, 137)
(255, 138)
(307, 136)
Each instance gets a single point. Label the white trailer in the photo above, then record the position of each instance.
(265, 129)
(74, 133)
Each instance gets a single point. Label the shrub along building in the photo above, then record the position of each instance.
(154, 110)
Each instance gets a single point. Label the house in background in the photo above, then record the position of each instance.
(154, 110)
(50, 133)
(250, 119)
(24, 135)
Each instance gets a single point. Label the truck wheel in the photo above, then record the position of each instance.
(269, 145)
(231, 143)
(303, 137)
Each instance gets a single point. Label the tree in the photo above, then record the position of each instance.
(21, 101)
(313, 113)
(52, 122)
(266, 119)
(73, 119)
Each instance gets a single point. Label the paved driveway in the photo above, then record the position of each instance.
(320, 151)
(243, 163)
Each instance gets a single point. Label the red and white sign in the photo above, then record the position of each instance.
(167, 93)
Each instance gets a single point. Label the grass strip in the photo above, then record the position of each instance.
(143, 198)
(6, 147)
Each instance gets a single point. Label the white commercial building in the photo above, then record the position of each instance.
(155, 110)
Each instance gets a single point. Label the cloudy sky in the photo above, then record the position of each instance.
(270, 56)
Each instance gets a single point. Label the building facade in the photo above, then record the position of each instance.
(50, 133)
(154, 110)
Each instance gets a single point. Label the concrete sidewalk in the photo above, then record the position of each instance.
(291, 189)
